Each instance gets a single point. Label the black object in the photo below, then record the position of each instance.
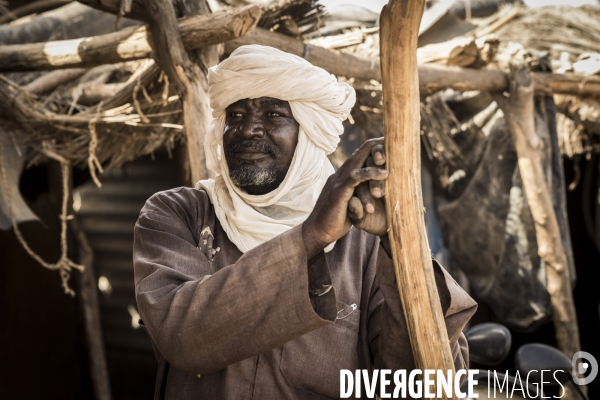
(489, 343)
(535, 357)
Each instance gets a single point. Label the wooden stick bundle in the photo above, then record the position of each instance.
(399, 23)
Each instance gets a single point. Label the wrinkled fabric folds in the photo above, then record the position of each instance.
(319, 104)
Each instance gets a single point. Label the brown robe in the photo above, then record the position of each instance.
(227, 325)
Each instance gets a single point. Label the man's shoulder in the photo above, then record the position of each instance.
(181, 202)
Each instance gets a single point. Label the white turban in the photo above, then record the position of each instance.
(319, 104)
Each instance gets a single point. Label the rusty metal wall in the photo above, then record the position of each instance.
(108, 215)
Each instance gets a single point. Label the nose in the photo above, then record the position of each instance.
(252, 127)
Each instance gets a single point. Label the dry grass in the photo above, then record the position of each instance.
(556, 29)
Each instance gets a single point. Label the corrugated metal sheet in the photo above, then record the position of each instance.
(108, 216)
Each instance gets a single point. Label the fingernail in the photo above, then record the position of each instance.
(376, 192)
(370, 208)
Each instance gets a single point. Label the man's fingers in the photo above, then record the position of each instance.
(364, 195)
(360, 175)
(377, 188)
(355, 209)
(358, 158)
(378, 154)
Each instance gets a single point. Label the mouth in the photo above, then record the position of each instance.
(251, 151)
(250, 154)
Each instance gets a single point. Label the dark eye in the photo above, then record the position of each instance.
(235, 114)
(273, 114)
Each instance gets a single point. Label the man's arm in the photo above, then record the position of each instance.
(354, 194)
(387, 327)
(202, 320)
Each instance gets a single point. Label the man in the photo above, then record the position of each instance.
(266, 281)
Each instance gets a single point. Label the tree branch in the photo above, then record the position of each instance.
(518, 110)
(404, 203)
(128, 44)
(432, 78)
(186, 74)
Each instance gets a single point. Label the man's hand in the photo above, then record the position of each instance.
(353, 195)
(366, 208)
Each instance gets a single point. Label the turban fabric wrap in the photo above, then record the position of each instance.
(319, 104)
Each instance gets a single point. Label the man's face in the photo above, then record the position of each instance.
(259, 141)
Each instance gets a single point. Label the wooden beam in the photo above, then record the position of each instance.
(187, 72)
(94, 94)
(50, 81)
(404, 203)
(460, 52)
(579, 84)
(337, 63)
(127, 44)
(87, 296)
(432, 77)
(519, 113)
(70, 19)
(33, 8)
(136, 11)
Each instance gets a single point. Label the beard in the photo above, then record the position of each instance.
(248, 173)
(252, 175)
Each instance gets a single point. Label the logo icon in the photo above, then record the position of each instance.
(582, 367)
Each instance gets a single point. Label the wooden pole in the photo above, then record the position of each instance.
(187, 72)
(432, 77)
(137, 8)
(518, 110)
(131, 43)
(84, 284)
(34, 7)
(87, 295)
(50, 81)
(399, 23)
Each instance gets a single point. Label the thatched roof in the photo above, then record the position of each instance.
(139, 112)
(574, 30)
(144, 114)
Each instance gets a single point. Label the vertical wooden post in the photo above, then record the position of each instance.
(87, 296)
(518, 110)
(399, 29)
(85, 288)
(187, 72)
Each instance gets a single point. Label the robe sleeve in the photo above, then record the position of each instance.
(202, 320)
(390, 343)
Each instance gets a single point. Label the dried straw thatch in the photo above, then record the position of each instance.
(114, 133)
(556, 29)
